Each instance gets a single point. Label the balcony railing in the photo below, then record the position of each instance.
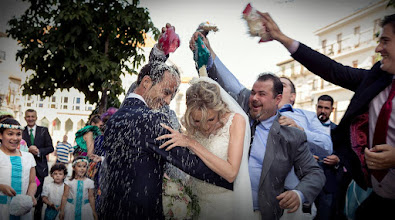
(349, 43)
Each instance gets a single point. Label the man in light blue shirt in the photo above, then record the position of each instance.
(319, 142)
(274, 148)
(305, 120)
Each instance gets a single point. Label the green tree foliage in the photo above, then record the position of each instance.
(391, 3)
(83, 44)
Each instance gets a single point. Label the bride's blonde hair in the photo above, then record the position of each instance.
(203, 96)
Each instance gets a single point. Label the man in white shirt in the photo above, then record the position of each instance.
(366, 133)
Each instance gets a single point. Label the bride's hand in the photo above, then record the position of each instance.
(176, 139)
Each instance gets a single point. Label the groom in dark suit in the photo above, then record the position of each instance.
(366, 133)
(132, 178)
(40, 145)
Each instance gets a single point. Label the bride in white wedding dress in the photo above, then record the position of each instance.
(217, 131)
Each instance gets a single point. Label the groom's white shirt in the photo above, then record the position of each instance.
(137, 96)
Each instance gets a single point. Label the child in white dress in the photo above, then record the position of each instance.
(78, 200)
(53, 191)
(17, 168)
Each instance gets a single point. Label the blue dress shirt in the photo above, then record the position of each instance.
(258, 150)
(312, 127)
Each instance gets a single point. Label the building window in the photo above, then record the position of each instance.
(78, 100)
(41, 105)
(357, 33)
(77, 107)
(355, 63)
(44, 122)
(28, 104)
(64, 106)
(69, 125)
(301, 69)
(376, 27)
(339, 43)
(53, 98)
(334, 113)
(315, 84)
(2, 55)
(65, 99)
(292, 68)
(53, 106)
(80, 124)
(357, 30)
(41, 99)
(56, 124)
(323, 44)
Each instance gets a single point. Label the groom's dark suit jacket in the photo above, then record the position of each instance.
(43, 142)
(132, 181)
(366, 84)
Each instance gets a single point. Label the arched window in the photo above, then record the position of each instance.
(80, 124)
(56, 124)
(69, 125)
(44, 122)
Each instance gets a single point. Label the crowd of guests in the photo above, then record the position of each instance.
(249, 153)
(33, 144)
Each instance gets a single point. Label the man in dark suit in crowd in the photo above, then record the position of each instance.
(40, 145)
(366, 134)
(330, 202)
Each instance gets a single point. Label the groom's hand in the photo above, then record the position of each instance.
(176, 139)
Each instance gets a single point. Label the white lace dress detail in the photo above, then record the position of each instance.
(215, 202)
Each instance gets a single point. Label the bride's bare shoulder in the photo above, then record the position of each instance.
(238, 118)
